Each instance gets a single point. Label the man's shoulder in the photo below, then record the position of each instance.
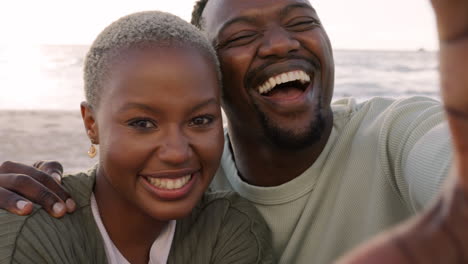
(346, 106)
(381, 108)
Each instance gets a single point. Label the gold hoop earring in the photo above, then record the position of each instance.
(92, 151)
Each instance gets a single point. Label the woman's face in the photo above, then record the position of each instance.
(159, 128)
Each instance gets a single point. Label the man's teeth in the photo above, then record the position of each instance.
(169, 184)
(283, 78)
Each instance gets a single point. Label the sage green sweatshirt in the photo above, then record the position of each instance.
(384, 161)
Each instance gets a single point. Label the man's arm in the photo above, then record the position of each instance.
(440, 233)
(20, 184)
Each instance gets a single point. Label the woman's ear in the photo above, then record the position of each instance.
(89, 121)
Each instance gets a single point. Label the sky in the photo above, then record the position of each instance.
(351, 24)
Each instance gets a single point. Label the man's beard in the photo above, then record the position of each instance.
(293, 140)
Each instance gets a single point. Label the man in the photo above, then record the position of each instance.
(324, 177)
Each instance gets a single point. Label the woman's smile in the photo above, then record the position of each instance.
(172, 185)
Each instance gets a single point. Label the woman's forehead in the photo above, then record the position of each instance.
(164, 67)
(160, 58)
(162, 51)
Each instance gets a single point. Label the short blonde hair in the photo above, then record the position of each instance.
(138, 30)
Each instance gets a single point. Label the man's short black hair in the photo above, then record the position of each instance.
(197, 13)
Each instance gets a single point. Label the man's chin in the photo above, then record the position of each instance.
(294, 139)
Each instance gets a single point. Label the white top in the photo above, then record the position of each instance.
(384, 161)
(159, 250)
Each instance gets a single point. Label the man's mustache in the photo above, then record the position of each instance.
(249, 77)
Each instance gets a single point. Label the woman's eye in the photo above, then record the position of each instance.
(142, 124)
(201, 121)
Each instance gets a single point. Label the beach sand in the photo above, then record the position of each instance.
(29, 136)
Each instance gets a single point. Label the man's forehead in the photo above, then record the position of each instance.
(218, 14)
(217, 10)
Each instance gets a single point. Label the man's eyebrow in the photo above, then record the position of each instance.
(245, 19)
(283, 12)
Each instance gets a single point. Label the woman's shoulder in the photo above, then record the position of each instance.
(10, 227)
(41, 238)
(80, 186)
(223, 228)
(229, 209)
(226, 200)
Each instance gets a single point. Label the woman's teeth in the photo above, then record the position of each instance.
(169, 184)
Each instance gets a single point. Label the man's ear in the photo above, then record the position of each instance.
(89, 120)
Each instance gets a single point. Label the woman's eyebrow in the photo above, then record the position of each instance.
(148, 108)
(205, 103)
(133, 105)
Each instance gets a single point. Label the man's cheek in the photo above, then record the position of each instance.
(233, 63)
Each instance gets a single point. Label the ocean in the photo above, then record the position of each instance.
(50, 77)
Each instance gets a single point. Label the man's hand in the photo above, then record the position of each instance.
(452, 22)
(20, 184)
(439, 234)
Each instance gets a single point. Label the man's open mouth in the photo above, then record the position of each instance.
(285, 85)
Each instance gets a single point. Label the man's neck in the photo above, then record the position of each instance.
(263, 164)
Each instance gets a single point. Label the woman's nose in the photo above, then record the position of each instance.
(175, 149)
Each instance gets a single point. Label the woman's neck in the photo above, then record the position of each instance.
(131, 231)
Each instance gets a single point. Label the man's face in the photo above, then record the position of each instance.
(277, 65)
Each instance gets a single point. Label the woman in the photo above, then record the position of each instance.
(152, 86)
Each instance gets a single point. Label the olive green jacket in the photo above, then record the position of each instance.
(223, 228)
